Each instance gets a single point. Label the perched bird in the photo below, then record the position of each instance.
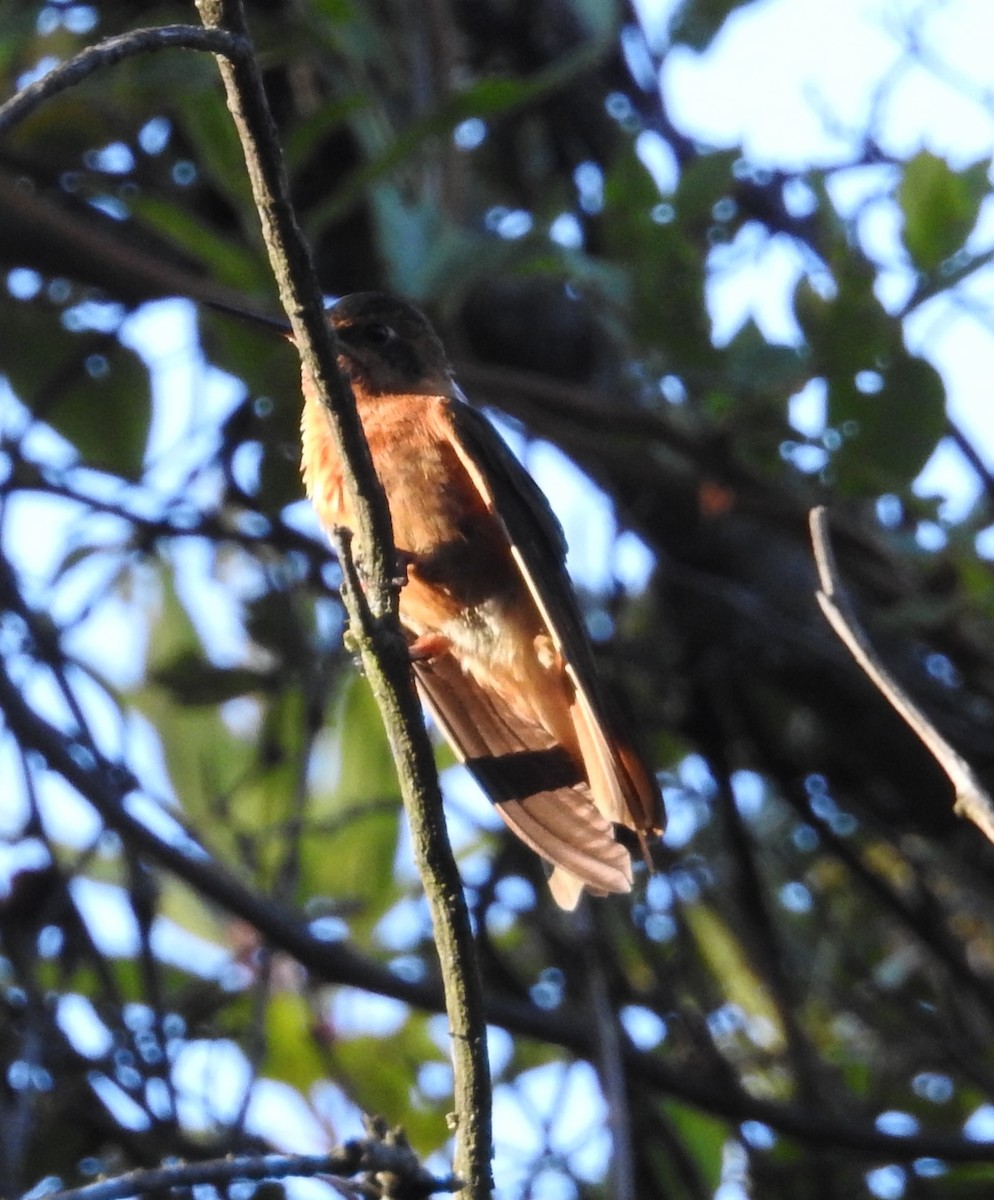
(497, 643)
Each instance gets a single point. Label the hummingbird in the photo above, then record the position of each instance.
(498, 648)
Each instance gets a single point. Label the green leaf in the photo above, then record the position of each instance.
(366, 769)
(226, 260)
(292, 1053)
(940, 206)
(487, 98)
(311, 133)
(205, 760)
(377, 1073)
(664, 263)
(106, 413)
(186, 907)
(88, 387)
(352, 862)
(405, 231)
(757, 366)
(849, 331)
(704, 1138)
(890, 434)
(206, 122)
(705, 181)
(354, 807)
(730, 965)
(279, 622)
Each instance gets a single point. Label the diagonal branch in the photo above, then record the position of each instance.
(973, 457)
(972, 801)
(112, 51)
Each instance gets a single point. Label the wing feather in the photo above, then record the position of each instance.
(621, 785)
(536, 786)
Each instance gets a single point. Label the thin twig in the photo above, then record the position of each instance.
(370, 1156)
(112, 51)
(972, 456)
(453, 935)
(972, 801)
(372, 607)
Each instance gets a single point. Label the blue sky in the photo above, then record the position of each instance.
(796, 84)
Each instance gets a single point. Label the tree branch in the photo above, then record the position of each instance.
(972, 801)
(372, 1156)
(114, 50)
(973, 457)
(373, 607)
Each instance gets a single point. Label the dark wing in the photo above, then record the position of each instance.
(563, 811)
(536, 536)
(539, 548)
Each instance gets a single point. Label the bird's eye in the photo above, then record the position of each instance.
(379, 335)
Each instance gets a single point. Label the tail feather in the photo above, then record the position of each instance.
(538, 787)
(622, 787)
(566, 829)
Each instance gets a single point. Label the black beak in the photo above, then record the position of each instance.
(279, 324)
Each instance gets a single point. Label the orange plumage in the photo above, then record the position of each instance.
(498, 646)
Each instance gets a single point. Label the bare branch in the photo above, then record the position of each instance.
(112, 51)
(972, 801)
(370, 1156)
(973, 457)
(372, 607)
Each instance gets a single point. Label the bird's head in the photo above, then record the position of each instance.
(387, 346)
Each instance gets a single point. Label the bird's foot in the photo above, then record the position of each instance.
(427, 646)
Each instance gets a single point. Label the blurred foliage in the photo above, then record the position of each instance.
(209, 895)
